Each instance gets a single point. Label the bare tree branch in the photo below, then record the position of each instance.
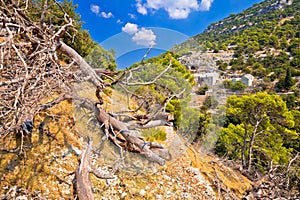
(149, 82)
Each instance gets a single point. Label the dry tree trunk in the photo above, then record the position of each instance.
(153, 151)
(159, 155)
(84, 66)
(143, 147)
(83, 183)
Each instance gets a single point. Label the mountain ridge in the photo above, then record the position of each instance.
(259, 9)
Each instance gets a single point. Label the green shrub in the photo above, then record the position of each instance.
(154, 134)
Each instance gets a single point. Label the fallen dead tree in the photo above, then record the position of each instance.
(281, 182)
(134, 143)
(31, 74)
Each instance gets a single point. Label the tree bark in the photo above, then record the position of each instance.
(84, 66)
(83, 183)
(244, 146)
(103, 117)
(249, 159)
(253, 135)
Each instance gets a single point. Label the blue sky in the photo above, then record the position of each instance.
(131, 26)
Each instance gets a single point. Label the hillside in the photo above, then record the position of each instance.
(47, 171)
(260, 44)
(69, 130)
(263, 41)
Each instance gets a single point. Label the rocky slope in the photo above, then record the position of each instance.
(46, 171)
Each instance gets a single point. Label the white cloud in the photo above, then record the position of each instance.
(95, 9)
(178, 13)
(177, 9)
(107, 15)
(205, 5)
(130, 28)
(141, 8)
(144, 37)
(132, 16)
(119, 21)
(141, 36)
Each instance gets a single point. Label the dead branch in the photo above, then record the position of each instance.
(83, 183)
(148, 82)
(124, 130)
(85, 68)
(291, 161)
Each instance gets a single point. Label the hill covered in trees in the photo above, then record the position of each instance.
(264, 40)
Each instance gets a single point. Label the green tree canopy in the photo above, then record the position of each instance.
(287, 82)
(101, 58)
(56, 14)
(261, 127)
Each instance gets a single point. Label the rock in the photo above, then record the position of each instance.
(186, 195)
(23, 197)
(169, 193)
(123, 195)
(133, 190)
(142, 192)
(167, 178)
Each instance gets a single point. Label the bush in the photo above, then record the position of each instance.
(154, 134)
(202, 90)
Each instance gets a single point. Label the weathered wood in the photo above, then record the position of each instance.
(83, 183)
(103, 116)
(150, 150)
(84, 66)
(150, 124)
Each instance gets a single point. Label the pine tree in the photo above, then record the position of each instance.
(266, 126)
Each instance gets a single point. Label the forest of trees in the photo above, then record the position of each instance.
(262, 133)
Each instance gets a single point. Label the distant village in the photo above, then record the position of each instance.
(206, 73)
(203, 66)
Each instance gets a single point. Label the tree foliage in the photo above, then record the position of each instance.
(238, 85)
(260, 130)
(101, 58)
(286, 82)
(202, 90)
(52, 13)
(177, 80)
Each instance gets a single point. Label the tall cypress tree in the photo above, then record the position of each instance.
(288, 80)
